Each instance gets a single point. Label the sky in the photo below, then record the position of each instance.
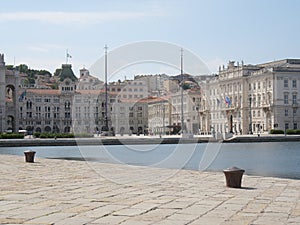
(38, 33)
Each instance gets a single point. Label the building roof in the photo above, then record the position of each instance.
(41, 91)
(282, 63)
(154, 99)
(67, 72)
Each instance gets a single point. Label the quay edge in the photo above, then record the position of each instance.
(140, 141)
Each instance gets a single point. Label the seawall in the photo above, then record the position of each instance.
(141, 140)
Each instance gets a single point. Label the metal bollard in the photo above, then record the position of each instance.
(233, 177)
(29, 156)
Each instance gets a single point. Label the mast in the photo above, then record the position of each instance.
(106, 95)
(181, 91)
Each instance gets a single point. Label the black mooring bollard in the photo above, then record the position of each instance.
(29, 156)
(233, 177)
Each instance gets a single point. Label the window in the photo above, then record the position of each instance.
(294, 99)
(286, 126)
(254, 101)
(286, 83)
(253, 113)
(258, 85)
(286, 99)
(258, 100)
(295, 126)
(249, 87)
(258, 113)
(286, 112)
(67, 105)
(294, 83)
(254, 86)
(294, 111)
(67, 115)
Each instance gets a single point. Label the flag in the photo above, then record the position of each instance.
(22, 96)
(227, 100)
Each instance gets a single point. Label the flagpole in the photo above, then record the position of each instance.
(67, 53)
(106, 94)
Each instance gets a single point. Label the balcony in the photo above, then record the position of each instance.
(266, 107)
(203, 110)
(231, 108)
(295, 105)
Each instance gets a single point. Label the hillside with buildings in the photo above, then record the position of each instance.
(239, 99)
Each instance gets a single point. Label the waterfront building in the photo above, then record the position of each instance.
(159, 115)
(130, 116)
(3, 124)
(48, 110)
(240, 99)
(89, 111)
(244, 99)
(9, 87)
(190, 99)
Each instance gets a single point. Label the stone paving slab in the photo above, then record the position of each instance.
(53, 191)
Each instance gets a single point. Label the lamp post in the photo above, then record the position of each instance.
(198, 114)
(250, 115)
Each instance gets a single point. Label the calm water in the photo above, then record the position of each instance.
(278, 159)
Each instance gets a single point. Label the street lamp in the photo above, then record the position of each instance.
(198, 112)
(163, 111)
(250, 115)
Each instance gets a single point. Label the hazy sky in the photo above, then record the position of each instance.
(38, 32)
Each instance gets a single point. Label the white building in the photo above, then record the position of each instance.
(254, 98)
(159, 115)
(190, 112)
(130, 116)
(129, 89)
(155, 83)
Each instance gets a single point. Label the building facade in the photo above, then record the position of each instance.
(240, 99)
(130, 117)
(159, 115)
(245, 99)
